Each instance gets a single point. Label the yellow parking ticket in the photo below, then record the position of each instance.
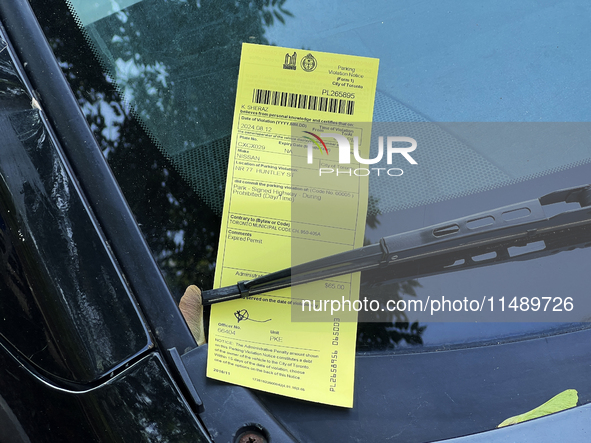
(293, 194)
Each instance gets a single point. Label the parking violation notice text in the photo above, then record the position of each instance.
(280, 211)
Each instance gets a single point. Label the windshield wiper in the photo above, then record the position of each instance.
(476, 240)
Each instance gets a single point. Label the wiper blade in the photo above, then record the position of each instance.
(435, 249)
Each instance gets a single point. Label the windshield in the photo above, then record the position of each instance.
(168, 140)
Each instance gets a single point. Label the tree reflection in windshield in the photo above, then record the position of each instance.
(387, 329)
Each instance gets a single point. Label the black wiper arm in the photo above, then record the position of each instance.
(512, 225)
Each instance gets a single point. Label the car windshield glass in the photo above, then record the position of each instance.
(494, 93)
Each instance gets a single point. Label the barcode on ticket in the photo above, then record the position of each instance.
(303, 101)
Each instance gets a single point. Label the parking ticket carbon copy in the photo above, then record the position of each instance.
(280, 210)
